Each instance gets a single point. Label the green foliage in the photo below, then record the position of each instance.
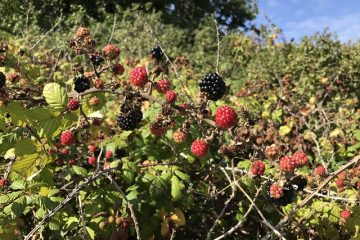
(290, 95)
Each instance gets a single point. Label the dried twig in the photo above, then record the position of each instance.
(81, 217)
(68, 198)
(47, 33)
(354, 161)
(269, 225)
(113, 29)
(218, 47)
(240, 223)
(226, 205)
(333, 197)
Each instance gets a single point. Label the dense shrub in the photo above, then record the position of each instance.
(90, 148)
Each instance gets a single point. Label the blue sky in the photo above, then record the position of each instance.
(298, 18)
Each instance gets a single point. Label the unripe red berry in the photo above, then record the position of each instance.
(3, 182)
(98, 83)
(199, 148)
(276, 191)
(342, 175)
(339, 183)
(94, 101)
(111, 51)
(67, 138)
(138, 77)
(287, 164)
(52, 151)
(118, 69)
(13, 76)
(59, 162)
(92, 161)
(162, 86)
(300, 158)
(179, 136)
(345, 214)
(108, 154)
(72, 162)
(170, 96)
(225, 117)
(258, 168)
(64, 151)
(158, 130)
(320, 170)
(73, 104)
(92, 148)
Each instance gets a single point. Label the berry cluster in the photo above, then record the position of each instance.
(96, 59)
(179, 136)
(81, 84)
(289, 164)
(213, 85)
(258, 168)
(199, 148)
(139, 77)
(162, 86)
(225, 117)
(130, 120)
(67, 138)
(281, 194)
(111, 51)
(73, 104)
(157, 54)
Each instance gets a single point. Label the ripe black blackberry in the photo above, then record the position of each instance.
(130, 120)
(157, 53)
(213, 85)
(96, 59)
(81, 84)
(2, 80)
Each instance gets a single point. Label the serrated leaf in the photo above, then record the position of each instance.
(182, 175)
(18, 185)
(25, 146)
(55, 95)
(80, 171)
(18, 206)
(29, 165)
(176, 187)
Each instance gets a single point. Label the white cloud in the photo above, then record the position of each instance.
(346, 27)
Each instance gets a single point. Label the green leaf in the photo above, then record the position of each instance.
(176, 187)
(18, 185)
(90, 232)
(357, 135)
(182, 175)
(80, 171)
(25, 146)
(284, 130)
(18, 206)
(28, 165)
(55, 95)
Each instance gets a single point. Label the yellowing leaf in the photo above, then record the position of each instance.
(44, 191)
(284, 130)
(178, 217)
